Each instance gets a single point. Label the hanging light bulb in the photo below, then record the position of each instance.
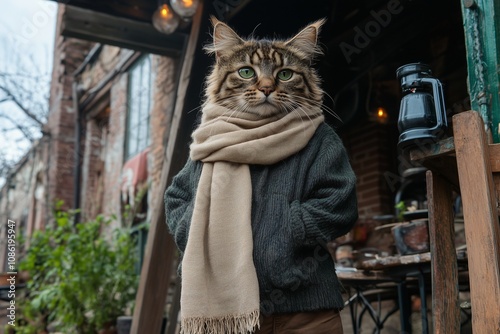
(185, 8)
(382, 116)
(165, 20)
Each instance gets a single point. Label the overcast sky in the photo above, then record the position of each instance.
(27, 29)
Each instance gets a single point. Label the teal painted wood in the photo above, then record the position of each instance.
(482, 40)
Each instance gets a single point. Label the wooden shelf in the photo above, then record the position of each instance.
(440, 158)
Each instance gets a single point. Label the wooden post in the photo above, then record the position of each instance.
(445, 303)
(160, 248)
(481, 223)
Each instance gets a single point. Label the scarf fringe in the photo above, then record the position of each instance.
(229, 324)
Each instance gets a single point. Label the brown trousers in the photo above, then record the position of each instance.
(320, 322)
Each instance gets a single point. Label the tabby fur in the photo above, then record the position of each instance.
(264, 93)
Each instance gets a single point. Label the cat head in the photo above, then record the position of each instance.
(262, 76)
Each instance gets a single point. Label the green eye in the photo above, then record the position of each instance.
(246, 72)
(285, 75)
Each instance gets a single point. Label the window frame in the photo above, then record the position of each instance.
(144, 63)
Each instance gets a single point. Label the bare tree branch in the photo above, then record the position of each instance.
(24, 84)
(21, 106)
(24, 130)
(15, 76)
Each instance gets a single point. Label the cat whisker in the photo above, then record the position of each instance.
(296, 107)
(299, 107)
(320, 105)
(235, 111)
(330, 97)
(199, 108)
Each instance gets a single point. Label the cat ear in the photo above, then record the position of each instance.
(225, 39)
(306, 41)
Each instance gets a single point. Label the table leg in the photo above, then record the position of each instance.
(404, 307)
(423, 300)
(352, 305)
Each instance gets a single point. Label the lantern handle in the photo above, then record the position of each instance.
(437, 92)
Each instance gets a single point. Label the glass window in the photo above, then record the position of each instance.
(139, 107)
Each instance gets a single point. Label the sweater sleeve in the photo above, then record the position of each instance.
(328, 209)
(179, 203)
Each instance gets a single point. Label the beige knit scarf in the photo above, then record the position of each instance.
(220, 291)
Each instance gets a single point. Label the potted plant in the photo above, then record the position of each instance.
(80, 279)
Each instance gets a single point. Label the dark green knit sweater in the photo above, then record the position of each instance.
(298, 205)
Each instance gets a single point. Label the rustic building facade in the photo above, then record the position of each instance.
(114, 113)
(112, 85)
(104, 125)
(125, 120)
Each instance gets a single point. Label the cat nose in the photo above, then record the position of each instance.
(266, 90)
(266, 86)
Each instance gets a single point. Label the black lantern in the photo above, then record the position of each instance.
(422, 114)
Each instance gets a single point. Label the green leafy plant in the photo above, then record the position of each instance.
(81, 279)
(400, 208)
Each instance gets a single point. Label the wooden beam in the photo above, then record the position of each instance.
(482, 230)
(160, 248)
(444, 268)
(125, 33)
(495, 157)
(130, 9)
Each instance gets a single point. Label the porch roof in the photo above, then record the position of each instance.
(122, 23)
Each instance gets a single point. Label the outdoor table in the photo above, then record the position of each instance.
(369, 286)
(392, 277)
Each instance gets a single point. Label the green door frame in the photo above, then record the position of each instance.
(482, 41)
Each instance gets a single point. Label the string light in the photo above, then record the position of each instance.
(165, 19)
(185, 8)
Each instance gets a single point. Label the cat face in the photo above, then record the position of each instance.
(264, 77)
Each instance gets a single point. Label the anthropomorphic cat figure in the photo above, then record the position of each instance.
(266, 186)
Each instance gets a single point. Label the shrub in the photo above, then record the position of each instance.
(80, 280)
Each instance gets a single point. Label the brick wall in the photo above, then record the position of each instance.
(371, 149)
(113, 161)
(93, 168)
(161, 116)
(68, 55)
(104, 138)
(105, 63)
